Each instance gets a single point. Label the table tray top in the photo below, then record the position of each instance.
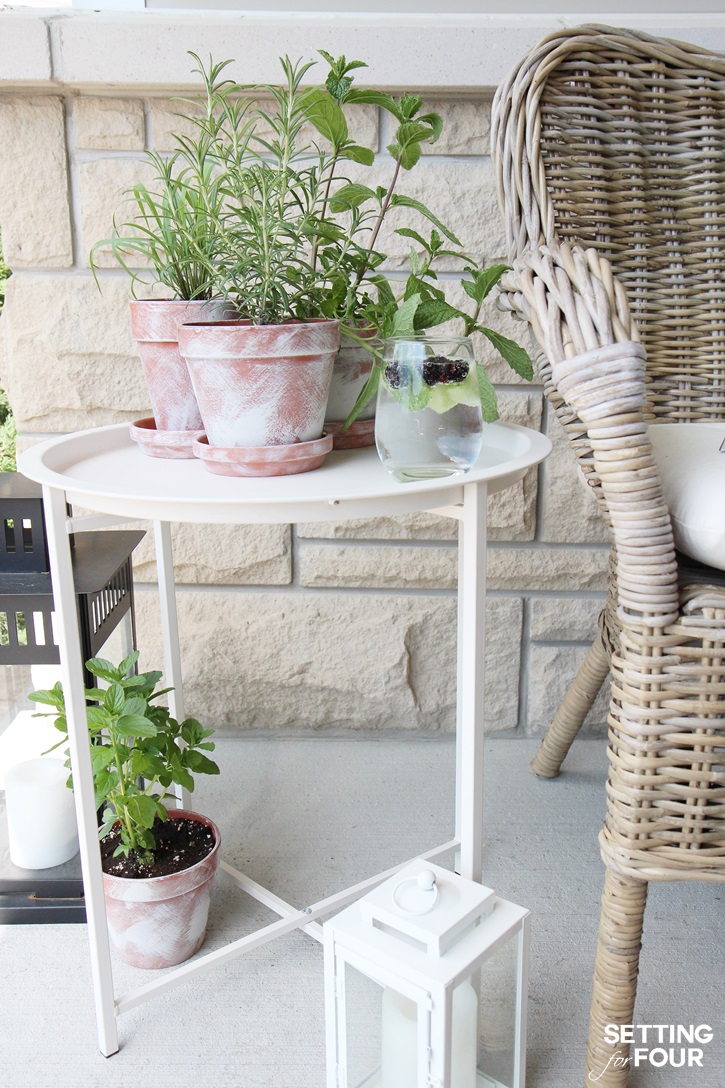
(105, 471)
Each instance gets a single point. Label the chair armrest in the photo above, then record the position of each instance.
(605, 387)
(594, 374)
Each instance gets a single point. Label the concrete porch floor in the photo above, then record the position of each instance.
(306, 816)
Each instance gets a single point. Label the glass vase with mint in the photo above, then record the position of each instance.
(429, 421)
(433, 393)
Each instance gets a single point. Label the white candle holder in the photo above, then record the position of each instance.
(426, 986)
(41, 815)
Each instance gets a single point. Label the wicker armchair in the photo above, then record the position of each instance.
(610, 150)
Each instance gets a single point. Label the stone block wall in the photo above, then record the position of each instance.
(348, 625)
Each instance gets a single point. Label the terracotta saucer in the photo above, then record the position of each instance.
(358, 434)
(263, 460)
(155, 443)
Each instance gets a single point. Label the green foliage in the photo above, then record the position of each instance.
(4, 274)
(298, 239)
(8, 434)
(422, 306)
(138, 750)
(175, 225)
(248, 209)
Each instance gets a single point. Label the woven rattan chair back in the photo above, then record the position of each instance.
(616, 141)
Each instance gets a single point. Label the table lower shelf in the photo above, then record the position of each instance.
(38, 896)
(290, 918)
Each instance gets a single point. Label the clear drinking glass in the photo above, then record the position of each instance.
(428, 421)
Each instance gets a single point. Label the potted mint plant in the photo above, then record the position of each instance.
(158, 862)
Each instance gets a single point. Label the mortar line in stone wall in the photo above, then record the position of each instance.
(287, 588)
(294, 557)
(542, 481)
(74, 189)
(598, 595)
(375, 542)
(382, 158)
(84, 155)
(525, 654)
(385, 134)
(300, 590)
(147, 141)
(549, 546)
(53, 32)
(493, 545)
(562, 643)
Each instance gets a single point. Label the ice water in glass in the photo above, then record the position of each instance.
(428, 421)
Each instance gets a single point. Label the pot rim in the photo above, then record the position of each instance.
(176, 301)
(246, 322)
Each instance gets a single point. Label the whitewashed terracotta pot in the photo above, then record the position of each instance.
(160, 921)
(154, 326)
(261, 385)
(353, 364)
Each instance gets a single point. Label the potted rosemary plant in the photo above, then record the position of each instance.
(169, 240)
(158, 862)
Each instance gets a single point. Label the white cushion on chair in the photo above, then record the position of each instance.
(691, 460)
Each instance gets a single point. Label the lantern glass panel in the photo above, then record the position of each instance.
(385, 1031)
(363, 1013)
(495, 983)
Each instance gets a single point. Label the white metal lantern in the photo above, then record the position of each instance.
(426, 986)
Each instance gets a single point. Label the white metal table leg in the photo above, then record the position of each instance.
(471, 645)
(170, 631)
(66, 617)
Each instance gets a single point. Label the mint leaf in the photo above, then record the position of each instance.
(434, 311)
(362, 155)
(128, 663)
(322, 111)
(101, 757)
(487, 394)
(404, 319)
(425, 290)
(375, 98)
(408, 232)
(142, 810)
(135, 725)
(516, 357)
(54, 697)
(436, 123)
(98, 666)
(114, 699)
(483, 281)
(398, 200)
(365, 395)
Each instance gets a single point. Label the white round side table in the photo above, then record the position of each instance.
(103, 471)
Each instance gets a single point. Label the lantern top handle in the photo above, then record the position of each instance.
(428, 905)
(417, 896)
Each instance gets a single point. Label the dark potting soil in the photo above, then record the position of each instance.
(179, 845)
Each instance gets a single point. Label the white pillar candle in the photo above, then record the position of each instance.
(41, 814)
(399, 1065)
